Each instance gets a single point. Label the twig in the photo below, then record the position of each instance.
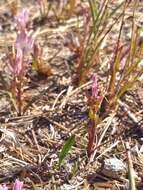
(130, 114)
(35, 140)
(57, 98)
(109, 121)
(73, 93)
(108, 149)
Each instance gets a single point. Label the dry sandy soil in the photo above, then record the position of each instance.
(55, 108)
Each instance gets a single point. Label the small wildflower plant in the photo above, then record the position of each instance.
(18, 59)
(18, 185)
(124, 72)
(94, 103)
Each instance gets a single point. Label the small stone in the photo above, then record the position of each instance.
(46, 108)
(113, 167)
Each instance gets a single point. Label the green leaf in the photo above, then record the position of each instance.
(131, 173)
(125, 88)
(116, 9)
(35, 64)
(93, 9)
(66, 148)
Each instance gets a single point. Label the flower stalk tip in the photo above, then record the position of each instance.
(18, 185)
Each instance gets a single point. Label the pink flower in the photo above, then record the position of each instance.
(94, 87)
(3, 187)
(18, 185)
(24, 42)
(22, 19)
(18, 62)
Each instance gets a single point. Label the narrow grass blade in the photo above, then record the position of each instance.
(116, 9)
(66, 148)
(128, 86)
(132, 178)
(131, 172)
(93, 8)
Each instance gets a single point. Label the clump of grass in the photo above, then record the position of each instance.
(96, 29)
(124, 66)
(124, 72)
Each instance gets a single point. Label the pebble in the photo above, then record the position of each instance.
(113, 167)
